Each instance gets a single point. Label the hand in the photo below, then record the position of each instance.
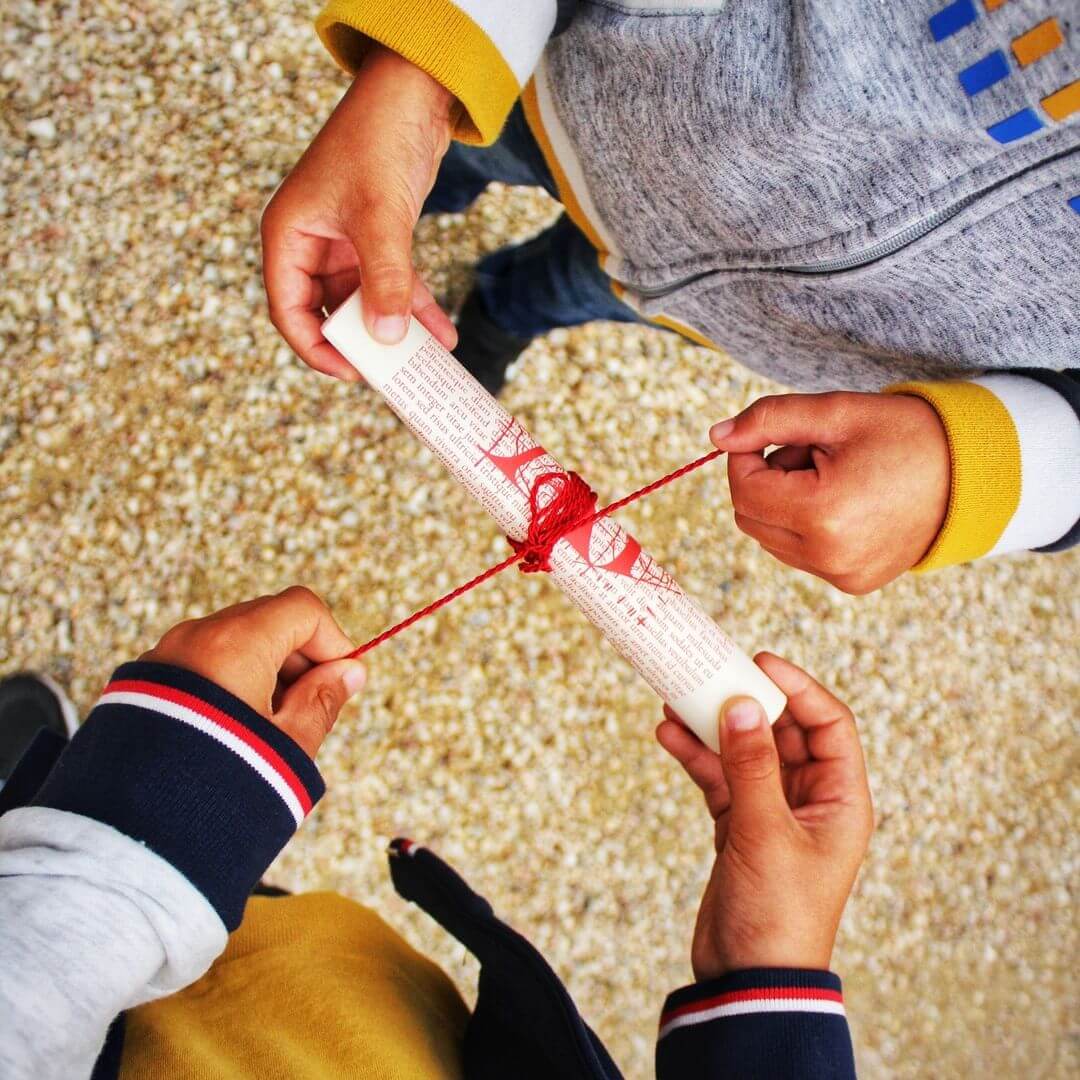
(278, 654)
(793, 819)
(346, 213)
(857, 491)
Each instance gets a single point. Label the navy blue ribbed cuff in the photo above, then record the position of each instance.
(767, 1022)
(181, 765)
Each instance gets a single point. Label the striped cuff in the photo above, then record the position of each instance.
(768, 1022)
(757, 990)
(179, 764)
(482, 51)
(1015, 449)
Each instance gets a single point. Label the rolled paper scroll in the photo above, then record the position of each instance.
(635, 603)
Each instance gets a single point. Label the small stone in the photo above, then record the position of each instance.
(42, 129)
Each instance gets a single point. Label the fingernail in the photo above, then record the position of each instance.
(354, 678)
(743, 715)
(388, 329)
(721, 431)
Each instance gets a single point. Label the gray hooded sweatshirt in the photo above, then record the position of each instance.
(842, 195)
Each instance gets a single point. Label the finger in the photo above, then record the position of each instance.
(771, 496)
(697, 760)
(751, 767)
(428, 312)
(382, 236)
(790, 741)
(296, 620)
(800, 419)
(338, 287)
(310, 707)
(789, 458)
(829, 724)
(292, 667)
(772, 537)
(291, 263)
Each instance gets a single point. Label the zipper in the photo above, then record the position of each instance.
(907, 235)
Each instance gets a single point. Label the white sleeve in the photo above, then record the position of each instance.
(91, 923)
(1048, 430)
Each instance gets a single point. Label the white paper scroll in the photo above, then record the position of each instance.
(635, 603)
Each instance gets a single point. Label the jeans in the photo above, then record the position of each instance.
(552, 280)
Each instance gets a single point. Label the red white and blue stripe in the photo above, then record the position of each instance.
(220, 726)
(767, 999)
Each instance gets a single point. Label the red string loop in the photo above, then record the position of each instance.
(559, 503)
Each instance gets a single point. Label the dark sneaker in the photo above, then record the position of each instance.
(484, 349)
(28, 703)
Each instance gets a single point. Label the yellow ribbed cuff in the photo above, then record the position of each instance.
(438, 37)
(985, 453)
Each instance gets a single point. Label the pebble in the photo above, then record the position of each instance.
(43, 128)
(164, 454)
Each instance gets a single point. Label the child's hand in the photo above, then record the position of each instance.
(793, 819)
(278, 654)
(346, 213)
(857, 491)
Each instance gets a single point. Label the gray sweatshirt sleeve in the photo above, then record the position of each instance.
(122, 879)
(91, 923)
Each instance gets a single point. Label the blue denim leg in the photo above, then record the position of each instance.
(549, 281)
(465, 171)
(552, 280)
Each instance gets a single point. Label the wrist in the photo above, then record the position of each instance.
(411, 81)
(773, 955)
(768, 945)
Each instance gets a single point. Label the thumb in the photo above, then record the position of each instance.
(310, 707)
(383, 241)
(781, 420)
(751, 764)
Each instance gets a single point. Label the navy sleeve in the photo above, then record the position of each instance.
(760, 1024)
(184, 767)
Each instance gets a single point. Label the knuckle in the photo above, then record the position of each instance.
(302, 596)
(753, 763)
(840, 405)
(176, 634)
(325, 707)
(831, 527)
(388, 276)
(219, 638)
(763, 412)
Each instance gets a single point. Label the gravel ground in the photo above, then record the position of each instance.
(162, 454)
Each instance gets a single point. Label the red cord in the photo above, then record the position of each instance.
(571, 505)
